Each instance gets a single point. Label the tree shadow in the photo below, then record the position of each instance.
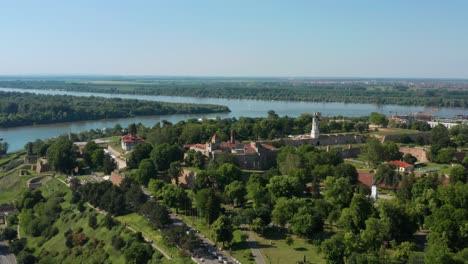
(301, 249)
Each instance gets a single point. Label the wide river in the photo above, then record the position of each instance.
(17, 137)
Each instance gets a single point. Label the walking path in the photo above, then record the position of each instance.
(102, 212)
(253, 246)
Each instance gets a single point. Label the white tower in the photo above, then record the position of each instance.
(314, 133)
(374, 194)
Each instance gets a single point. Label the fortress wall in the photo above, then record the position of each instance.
(419, 153)
(324, 140)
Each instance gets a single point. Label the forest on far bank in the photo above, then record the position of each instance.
(432, 93)
(21, 109)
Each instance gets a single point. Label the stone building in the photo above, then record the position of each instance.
(251, 155)
(129, 141)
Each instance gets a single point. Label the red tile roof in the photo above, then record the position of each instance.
(401, 164)
(129, 138)
(269, 147)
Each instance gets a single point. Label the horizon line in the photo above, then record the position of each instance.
(224, 76)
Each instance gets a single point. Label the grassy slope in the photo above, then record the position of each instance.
(71, 218)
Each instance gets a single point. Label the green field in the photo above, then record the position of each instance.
(275, 250)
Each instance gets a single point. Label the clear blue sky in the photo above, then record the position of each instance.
(408, 38)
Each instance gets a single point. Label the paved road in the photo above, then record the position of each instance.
(5, 256)
(253, 246)
(207, 258)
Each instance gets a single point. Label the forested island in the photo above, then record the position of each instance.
(433, 93)
(20, 109)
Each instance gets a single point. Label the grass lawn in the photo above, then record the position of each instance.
(116, 146)
(434, 167)
(275, 250)
(139, 223)
(240, 249)
(12, 185)
(358, 165)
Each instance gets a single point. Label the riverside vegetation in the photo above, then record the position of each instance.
(437, 93)
(20, 109)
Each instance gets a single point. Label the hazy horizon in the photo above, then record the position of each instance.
(266, 39)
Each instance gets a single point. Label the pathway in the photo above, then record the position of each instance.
(102, 212)
(253, 246)
(5, 256)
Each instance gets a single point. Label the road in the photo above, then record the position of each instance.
(5, 256)
(207, 257)
(253, 246)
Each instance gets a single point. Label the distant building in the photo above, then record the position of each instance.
(129, 141)
(251, 156)
(402, 166)
(448, 123)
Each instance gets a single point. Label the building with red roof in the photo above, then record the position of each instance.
(402, 166)
(129, 141)
(251, 155)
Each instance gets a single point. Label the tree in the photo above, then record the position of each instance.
(445, 225)
(353, 218)
(338, 192)
(458, 174)
(175, 196)
(284, 210)
(386, 173)
(410, 159)
(222, 230)
(391, 151)
(227, 173)
(373, 151)
(404, 250)
(175, 168)
(92, 221)
(378, 119)
(334, 249)
(162, 155)
(348, 171)
(138, 253)
(445, 155)
(108, 164)
(257, 191)
(157, 214)
(195, 159)
(208, 203)
(377, 231)
(236, 192)
(29, 148)
(146, 171)
(400, 217)
(307, 222)
(440, 136)
(61, 155)
(3, 148)
(132, 129)
(9, 233)
(140, 152)
(108, 221)
(285, 186)
(97, 158)
(88, 151)
(258, 226)
(288, 160)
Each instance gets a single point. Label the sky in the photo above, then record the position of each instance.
(358, 38)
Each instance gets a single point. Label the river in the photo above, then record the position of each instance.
(17, 137)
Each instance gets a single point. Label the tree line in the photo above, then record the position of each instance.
(19, 109)
(294, 90)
